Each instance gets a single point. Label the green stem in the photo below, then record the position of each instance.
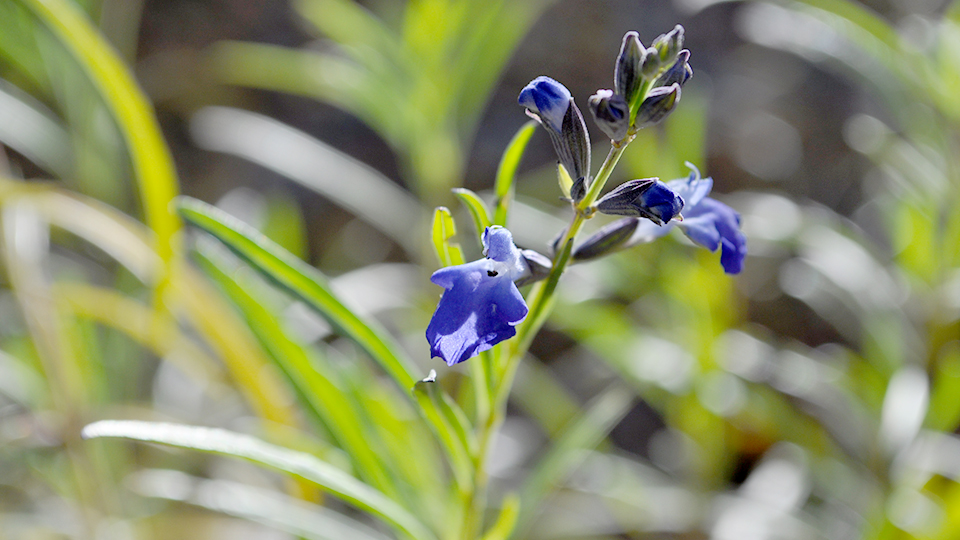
(541, 303)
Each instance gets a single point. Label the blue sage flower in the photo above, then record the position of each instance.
(708, 222)
(648, 197)
(551, 104)
(481, 304)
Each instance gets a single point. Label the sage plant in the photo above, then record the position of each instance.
(481, 305)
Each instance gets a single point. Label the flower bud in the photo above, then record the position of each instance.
(679, 73)
(608, 239)
(669, 45)
(547, 100)
(650, 66)
(657, 105)
(550, 103)
(611, 113)
(626, 76)
(649, 198)
(538, 267)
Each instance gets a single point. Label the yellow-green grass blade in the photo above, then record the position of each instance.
(443, 234)
(477, 208)
(507, 172)
(132, 245)
(134, 115)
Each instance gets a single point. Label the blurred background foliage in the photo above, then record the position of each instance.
(816, 395)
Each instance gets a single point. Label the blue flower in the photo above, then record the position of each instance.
(481, 304)
(708, 222)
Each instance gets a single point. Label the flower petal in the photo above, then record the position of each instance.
(692, 188)
(713, 224)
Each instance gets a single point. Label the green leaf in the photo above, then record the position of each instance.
(477, 208)
(302, 280)
(507, 171)
(444, 230)
(220, 441)
(507, 520)
(317, 384)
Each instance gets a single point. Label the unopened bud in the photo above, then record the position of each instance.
(657, 105)
(611, 113)
(679, 73)
(648, 198)
(607, 240)
(538, 267)
(626, 76)
(669, 45)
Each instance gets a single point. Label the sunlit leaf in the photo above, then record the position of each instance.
(477, 208)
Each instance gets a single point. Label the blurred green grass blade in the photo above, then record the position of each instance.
(493, 30)
(301, 279)
(140, 323)
(506, 521)
(149, 155)
(320, 392)
(861, 16)
(219, 441)
(477, 208)
(340, 178)
(944, 412)
(538, 393)
(507, 171)
(31, 129)
(350, 24)
(271, 508)
(567, 452)
(443, 232)
(321, 76)
(309, 284)
(453, 415)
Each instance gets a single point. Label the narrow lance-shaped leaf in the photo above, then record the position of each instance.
(300, 279)
(220, 441)
(507, 520)
(477, 208)
(444, 230)
(315, 382)
(507, 171)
